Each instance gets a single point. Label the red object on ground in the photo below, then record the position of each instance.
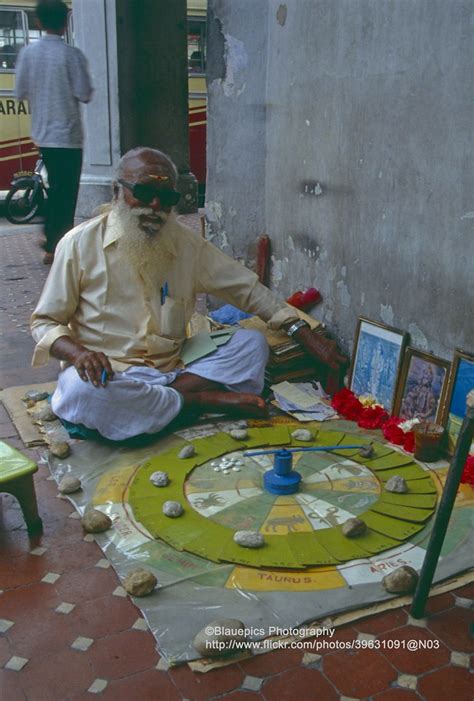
(346, 403)
(468, 475)
(263, 259)
(305, 300)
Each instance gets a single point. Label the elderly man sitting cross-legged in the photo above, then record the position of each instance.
(117, 302)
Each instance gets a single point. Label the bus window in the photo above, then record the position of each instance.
(33, 32)
(12, 37)
(196, 45)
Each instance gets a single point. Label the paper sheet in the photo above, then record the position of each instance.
(203, 343)
(296, 397)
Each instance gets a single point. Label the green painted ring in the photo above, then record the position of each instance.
(390, 521)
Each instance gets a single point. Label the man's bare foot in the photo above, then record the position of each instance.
(188, 383)
(235, 403)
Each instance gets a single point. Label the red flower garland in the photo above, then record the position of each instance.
(348, 405)
(468, 474)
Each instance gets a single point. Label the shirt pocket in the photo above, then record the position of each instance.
(173, 318)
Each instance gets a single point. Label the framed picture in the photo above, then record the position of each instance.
(422, 388)
(461, 382)
(378, 351)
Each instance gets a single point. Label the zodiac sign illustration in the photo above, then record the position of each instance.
(211, 500)
(288, 521)
(330, 516)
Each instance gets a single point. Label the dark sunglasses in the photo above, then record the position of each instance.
(146, 193)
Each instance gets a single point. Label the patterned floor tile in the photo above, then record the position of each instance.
(16, 663)
(82, 644)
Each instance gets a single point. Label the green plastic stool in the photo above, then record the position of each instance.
(16, 478)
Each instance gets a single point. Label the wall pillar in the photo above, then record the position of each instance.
(137, 56)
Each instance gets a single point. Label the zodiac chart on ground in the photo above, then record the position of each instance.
(222, 489)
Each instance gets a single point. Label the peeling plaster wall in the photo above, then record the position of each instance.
(236, 78)
(374, 100)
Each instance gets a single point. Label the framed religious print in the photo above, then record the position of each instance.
(461, 382)
(421, 390)
(378, 350)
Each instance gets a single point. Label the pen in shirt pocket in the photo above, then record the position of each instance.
(164, 293)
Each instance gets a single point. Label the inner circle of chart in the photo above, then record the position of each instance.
(230, 492)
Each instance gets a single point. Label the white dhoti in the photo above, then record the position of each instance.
(140, 399)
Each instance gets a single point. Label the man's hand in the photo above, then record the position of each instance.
(321, 347)
(89, 364)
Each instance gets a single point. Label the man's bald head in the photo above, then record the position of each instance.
(144, 164)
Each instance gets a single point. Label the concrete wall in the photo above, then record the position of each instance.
(137, 58)
(373, 99)
(95, 33)
(236, 123)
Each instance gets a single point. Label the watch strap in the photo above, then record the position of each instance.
(296, 326)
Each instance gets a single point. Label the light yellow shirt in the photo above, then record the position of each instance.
(93, 296)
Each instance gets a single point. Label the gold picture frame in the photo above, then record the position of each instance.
(422, 386)
(461, 381)
(376, 361)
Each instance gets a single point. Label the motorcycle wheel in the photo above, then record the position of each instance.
(22, 204)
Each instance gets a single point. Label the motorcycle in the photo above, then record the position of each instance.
(27, 195)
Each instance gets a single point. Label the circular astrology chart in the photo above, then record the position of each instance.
(221, 489)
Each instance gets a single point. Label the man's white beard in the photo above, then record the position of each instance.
(139, 243)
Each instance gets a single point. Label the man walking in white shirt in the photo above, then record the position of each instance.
(54, 77)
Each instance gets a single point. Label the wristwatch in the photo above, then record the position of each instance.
(296, 326)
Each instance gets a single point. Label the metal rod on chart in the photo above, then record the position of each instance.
(318, 449)
(445, 508)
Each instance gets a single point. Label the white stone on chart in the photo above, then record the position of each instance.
(376, 568)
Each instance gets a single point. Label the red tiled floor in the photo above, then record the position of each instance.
(242, 696)
(345, 634)
(91, 583)
(452, 683)
(122, 654)
(5, 652)
(414, 661)
(466, 591)
(100, 617)
(452, 627)
(21, 571)
(40, 635)
(397, 695)
(67, 559)
(360, 674)
(201, 687)
(383, 622)
(148, 685)
(18, 604)
(272, 662)
(10, 688)
(307, 684)
(439, 603)
(56, 677)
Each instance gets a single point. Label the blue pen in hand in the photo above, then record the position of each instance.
(103, 377)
